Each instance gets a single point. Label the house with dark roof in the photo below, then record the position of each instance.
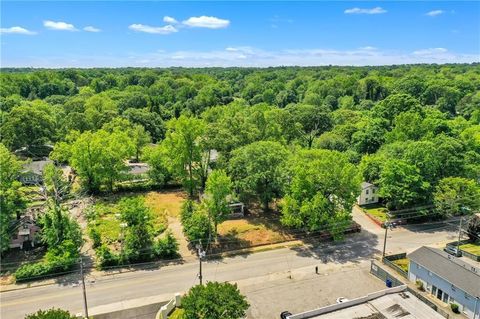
(32, 173)
(447, 278)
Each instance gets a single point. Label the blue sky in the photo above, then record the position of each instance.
(159, 34)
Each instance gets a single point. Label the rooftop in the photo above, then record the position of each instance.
(36, 167)
(456, 271)
(391, 303)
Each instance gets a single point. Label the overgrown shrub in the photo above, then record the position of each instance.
(95, 237)
(455, 308)
(166, 247)
(105, 257)
(51, 314)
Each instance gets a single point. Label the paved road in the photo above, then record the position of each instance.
(249, 269)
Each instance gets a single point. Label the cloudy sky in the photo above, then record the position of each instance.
(226, 33)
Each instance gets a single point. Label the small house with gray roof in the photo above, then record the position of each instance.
(447, 278)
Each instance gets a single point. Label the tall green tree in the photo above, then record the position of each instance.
(456, 196)
(12, 199)
(257, 170)
(321, 192)
(217, 191)
(402, 185)
(214, 300)
(183, 143)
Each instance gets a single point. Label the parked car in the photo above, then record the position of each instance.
(285, 314)
(342, 300)
(454, 251)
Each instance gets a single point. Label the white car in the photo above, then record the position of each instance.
(341, 299)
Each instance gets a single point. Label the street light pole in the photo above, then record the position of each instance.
(201, 254)
(85, 306)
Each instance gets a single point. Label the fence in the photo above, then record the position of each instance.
(454, 244)
(428, 302)
(389, 261)
(381, 273)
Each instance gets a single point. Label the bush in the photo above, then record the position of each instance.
(420, 285)
(95, 237)
(106, 258)
(214, 300)
(51, 314)
(455, 308)
(57, 260)
(166, 247)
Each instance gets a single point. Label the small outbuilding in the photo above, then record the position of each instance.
(32, 173)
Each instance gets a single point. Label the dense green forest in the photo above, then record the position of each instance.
(303, 137)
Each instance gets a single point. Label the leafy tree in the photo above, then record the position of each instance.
(402, 185)
(321, 191)
(12, 200)
(98, 158)
(157, 158)
(214, 300)
(457, 195)
(257, 170)
(395, 104)
(152, 122)
(197, 225)
(51, 314)
(473, 228)
(28, 125)
(217, 190)
(166, 247)
(184, 146)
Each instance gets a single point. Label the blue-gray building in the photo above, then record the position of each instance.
(447, 278)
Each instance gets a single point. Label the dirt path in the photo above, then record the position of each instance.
(176, 227)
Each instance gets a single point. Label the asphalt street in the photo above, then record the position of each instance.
(262, 268)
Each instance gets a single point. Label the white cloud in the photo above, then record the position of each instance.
(62, 26)
(155, 30)
(91, 29)
(16, 30)
(250, 57)
(206, 22)
(435, 13)
(376, 10)
(368, 48)
(169, 20)
(430, 51)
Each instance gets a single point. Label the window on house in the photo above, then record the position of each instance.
(373, 191)
(366, 192)
(445, 297)
(434, 290)
(366, 199)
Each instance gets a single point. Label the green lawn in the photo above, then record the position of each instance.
(472, 248)
(177, 314)
(402, 263)
(379, 212)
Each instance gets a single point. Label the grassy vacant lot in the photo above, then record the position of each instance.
(376, 211)
(252, 231)
(402, 263)
(162, 204)
(472, 248)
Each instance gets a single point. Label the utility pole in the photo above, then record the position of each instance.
(387, 226)
(85, 307)
(459, 235)
(201, 254)
(385, 240)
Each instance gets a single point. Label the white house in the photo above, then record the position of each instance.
(369, 194)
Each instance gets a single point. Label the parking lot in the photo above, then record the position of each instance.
(307, 290)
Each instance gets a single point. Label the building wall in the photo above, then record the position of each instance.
(369, 195)
(456, 295)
